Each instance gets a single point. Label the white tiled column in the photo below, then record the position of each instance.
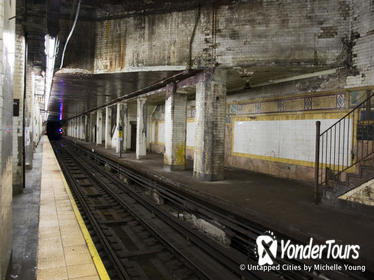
(76, 128)
(92, 130)
(126, 127)
(210, 126)
(141, 128)
(175, 128)
(118, 125)
(86, 131)
(81, 127)
(99, 127)
(108, 127)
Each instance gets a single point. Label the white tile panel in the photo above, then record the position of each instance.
(287, 139)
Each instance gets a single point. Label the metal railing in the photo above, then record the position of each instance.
(344, 144)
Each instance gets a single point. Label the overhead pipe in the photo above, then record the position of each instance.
(71, 33)
(193, 37)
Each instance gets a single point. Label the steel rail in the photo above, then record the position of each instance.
(122, 274)
(190, 258)
(215, 213)
(228, 258)
(216, 252)
(245, 227)
(222, 255)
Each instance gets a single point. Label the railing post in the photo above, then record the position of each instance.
(316, 168)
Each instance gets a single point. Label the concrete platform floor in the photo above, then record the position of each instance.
(62, 251)
(47, 238)
(283, 205)
(25, 223)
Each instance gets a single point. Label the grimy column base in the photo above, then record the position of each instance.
(208, 177)
(141, 156)
(174, 167)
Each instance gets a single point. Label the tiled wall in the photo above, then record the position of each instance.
(276, 136)
(18, 120)
(231, 35)
(7, 53)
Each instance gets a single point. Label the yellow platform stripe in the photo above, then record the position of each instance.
(101, 270)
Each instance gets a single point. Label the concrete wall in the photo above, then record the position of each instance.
(255, 34)
(7, 57)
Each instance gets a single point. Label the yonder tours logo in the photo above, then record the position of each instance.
(269, 249)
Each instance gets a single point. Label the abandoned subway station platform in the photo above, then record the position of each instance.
(218, 139)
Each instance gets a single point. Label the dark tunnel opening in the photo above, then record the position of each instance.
(54, 130)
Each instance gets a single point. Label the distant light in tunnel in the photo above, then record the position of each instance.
(61, 110)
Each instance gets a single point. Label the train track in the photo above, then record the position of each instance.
(141, 239)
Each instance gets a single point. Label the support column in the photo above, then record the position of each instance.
(75, 128)
(92, 132)
(119, 120)
(210, 126)
(175, 128)
(141, 128)
(99, 127)
(108, 127)
(87, 124)
(29, 116)
(81, 127)
(126, 127)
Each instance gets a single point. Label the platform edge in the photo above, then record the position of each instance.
(100, 268)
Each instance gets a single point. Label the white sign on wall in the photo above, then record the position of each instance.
(285, 139)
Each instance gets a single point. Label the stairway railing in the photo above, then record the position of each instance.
(344, 144)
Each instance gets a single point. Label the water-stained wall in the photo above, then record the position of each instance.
(255, 34)
(361, 44)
